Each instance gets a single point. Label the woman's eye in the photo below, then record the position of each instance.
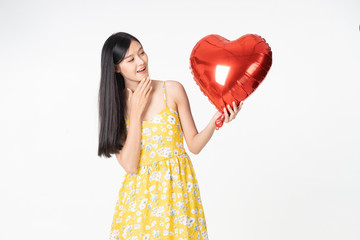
(131, 60)
(142, 53)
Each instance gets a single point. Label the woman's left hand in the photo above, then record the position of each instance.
(233, 112)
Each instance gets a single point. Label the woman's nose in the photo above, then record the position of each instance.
(140, 61)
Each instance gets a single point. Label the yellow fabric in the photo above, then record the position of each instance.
(162, 200)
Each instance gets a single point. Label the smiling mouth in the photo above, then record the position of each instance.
(142, 70)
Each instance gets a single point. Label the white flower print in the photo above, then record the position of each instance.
(153, 223)
(156, 233)
(167, 151)
(142, 144)
(172, 212)
(204, 234)
(128, 228)
(171, 119)
(179, 183)
(164, 152)
(189, 186)
(155, 176)
(148, 147)
(154, 198)
(182, 219)
(157, 119)
(143, 204)
(147, 132)
(159, 211)
(143, 169)
(114, 234)
(157, 138)
(180, 204)
(132, 206)
(190, 222)
(167, 174)
(152, 154)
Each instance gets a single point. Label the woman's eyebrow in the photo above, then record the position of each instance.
(131, 54)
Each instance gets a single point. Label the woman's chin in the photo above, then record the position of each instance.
(142, 76)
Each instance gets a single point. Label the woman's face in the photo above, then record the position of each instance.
(134, 66)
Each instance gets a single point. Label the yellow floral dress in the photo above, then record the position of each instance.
(162, 200)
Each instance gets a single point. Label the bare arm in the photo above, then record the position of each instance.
(202, 138)
(129, 155)
(195, 140)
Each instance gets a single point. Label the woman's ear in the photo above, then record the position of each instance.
(117, 69)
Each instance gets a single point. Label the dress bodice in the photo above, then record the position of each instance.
(161, 136)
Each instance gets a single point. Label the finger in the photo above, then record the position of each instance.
(140, 85)
(231, 113)
(235, 107)
(240, 104)
(148, 88)
(226, 115)
(148, 92)
(130, 93)
(145, 86)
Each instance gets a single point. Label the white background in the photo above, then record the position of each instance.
(288, 167)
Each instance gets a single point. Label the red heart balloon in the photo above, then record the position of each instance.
(228, 71)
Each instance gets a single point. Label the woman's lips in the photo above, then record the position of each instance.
(142, 72)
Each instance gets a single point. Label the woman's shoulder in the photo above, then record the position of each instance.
(173, 85)
(174, 90)
(170, 85)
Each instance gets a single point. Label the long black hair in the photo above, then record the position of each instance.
(112, 102)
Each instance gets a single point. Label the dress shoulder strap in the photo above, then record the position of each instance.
(164, 93)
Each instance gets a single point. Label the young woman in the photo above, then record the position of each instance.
(143, 122)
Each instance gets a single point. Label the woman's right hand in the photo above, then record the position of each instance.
(138, 99)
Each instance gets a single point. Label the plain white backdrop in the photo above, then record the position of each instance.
(288, 167)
